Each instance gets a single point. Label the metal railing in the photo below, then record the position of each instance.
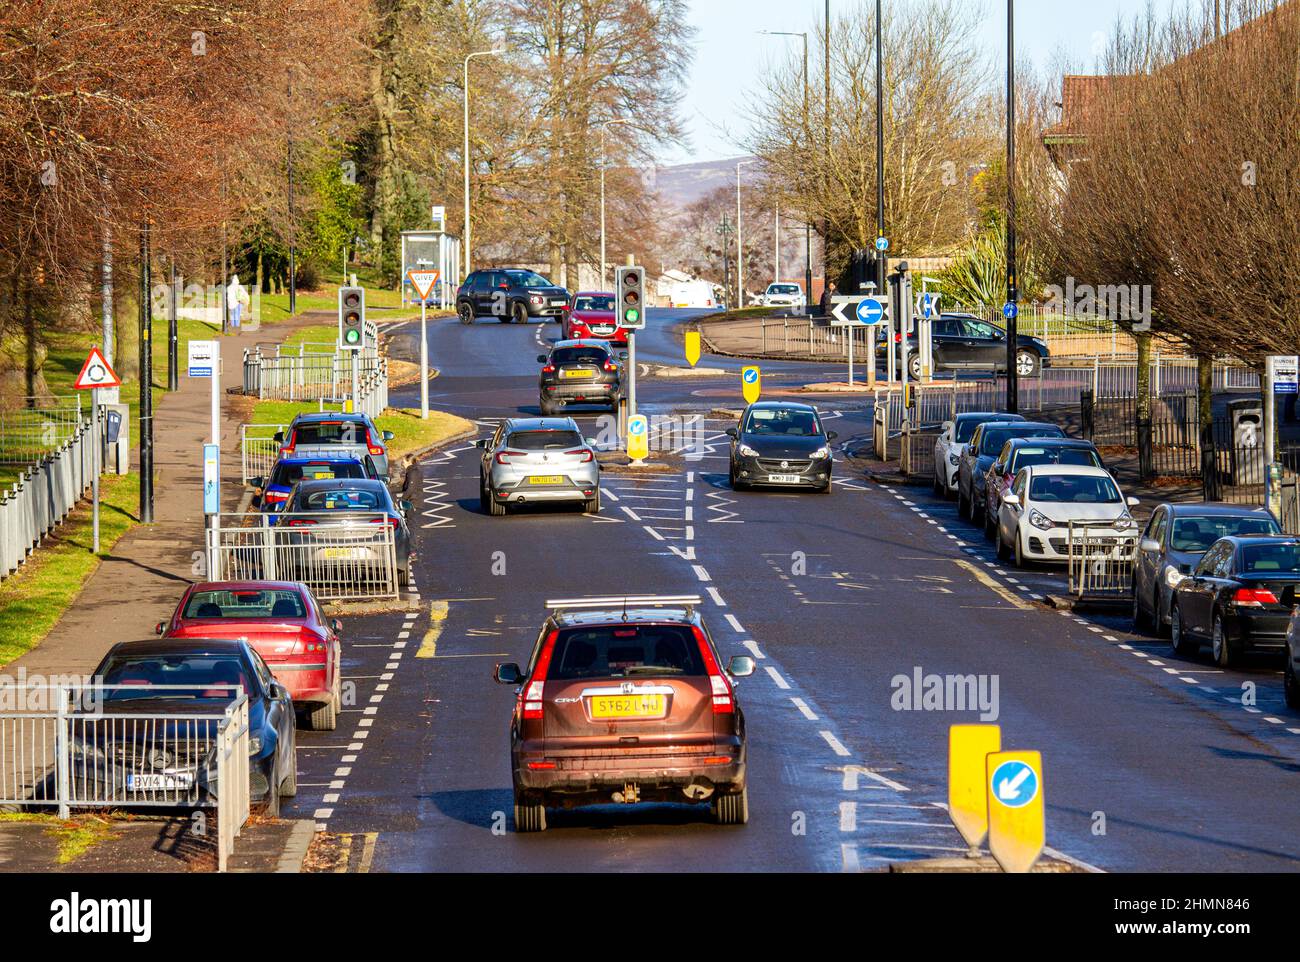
(258, 450)
(37, 427)
(341, 557)
(1100, 566)
(307, 376)
(66, 747)
(43, 496)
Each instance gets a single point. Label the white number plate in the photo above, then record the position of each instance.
(783, 479)
(159, 783)
(558, 303)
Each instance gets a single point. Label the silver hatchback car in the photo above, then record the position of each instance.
(538, 459)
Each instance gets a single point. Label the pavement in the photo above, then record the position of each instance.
(838, 598)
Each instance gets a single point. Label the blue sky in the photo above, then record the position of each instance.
(731, 54)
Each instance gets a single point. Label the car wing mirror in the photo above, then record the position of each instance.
(158, 629)
(542, 358)
(831, 435)
(337, 626)
(258, 482)
(508, 674)
(1011, 498)
(1150, 544)
(279, 437)
(389, 435)
(1133, 502)
(740, 666)
(481, 443)
(405, 506)
(732, 433)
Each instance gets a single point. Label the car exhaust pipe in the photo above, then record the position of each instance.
(698, 790)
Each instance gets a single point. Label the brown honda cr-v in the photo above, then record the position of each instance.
(624, 700)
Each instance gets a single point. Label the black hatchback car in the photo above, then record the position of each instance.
(782, 444)
(175, 761)
(579, 372)
(962, 342)
(1238, 598)
(510, 295)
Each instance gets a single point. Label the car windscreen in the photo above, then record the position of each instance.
(1198, 534)
(789, 422)
(342, 499)
(329, 432)
(783, 289)
(528, 279)
(241, 604)
(133, 672)
(618, 651)
(1073, 489)
(544, 440)
(601, 303)
(1027, 456)
(1263, 558)
(578, 355)
(291, 474)
(996, 437)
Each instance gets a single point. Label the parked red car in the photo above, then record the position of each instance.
(591, 316)
(283, 623)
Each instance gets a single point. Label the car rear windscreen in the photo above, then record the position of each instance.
(136, 671)
(544, 440)
(1073, 489)
(242, 604)
(1197, 534)
(622, 650)
(291, 474)
(329, 432)
(994, 439)
(578, 355)
(1026, 457)
(342, 499)
(1264, 558)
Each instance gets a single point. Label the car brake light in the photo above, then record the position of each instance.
(503, 457)
(541, 766)
(287, 449)
(370, 444)
(586, 454)
(549, 369)
(275, 497)
(300, 522)
(533, 693)
(721, 688)
(1254, 597)
(390, 521)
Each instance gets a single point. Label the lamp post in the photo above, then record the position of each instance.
(603, 127)
(1013, 387)
(740, 241)
(807, 134)
(881, 256)
(478, 53)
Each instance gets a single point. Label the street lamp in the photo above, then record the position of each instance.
(740, 241)
(478, 53)
(603, 127)
(807, 133)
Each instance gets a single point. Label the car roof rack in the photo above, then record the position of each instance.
(687, 602)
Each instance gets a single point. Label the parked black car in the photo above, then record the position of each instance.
(139, 761)
(783, 444)
(985, 445)
(1238, 599)
(579, 372)
(1175, 539)
(510, 295)
(962, 342)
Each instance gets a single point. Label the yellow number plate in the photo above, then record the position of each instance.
(628, 706)
(579, 375)
(347, 553)
(546, 479)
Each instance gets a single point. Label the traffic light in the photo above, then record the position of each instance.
(631, 297)
(352, 318)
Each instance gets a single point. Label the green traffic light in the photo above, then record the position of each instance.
(353, 336)
(632, 315)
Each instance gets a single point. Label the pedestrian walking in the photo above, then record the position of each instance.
(827, 295)
(410, 477)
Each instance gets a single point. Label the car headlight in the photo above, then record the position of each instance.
(1041, 521)
(747, 451)
(254, 744)
(1173, 577)
(822, 453)
(1124, 522)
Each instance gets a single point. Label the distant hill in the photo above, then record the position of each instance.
(682, 185)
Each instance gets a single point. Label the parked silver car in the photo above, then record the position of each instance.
(538, 459)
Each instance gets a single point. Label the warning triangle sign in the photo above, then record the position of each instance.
(96, 372)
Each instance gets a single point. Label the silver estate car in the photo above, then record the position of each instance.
(538, 459)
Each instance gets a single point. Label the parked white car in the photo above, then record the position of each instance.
(782, 295)
(948, 445)
(1034, 522)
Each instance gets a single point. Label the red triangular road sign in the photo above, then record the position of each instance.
(96, 372)
(423, 282)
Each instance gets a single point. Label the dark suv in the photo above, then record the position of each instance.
(965, 342)
(578, 372)
(624, 700)
(510, 294)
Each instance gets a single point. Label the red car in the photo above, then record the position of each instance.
(591, 317)
(283, 623)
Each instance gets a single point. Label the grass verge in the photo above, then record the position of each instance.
(410, 431)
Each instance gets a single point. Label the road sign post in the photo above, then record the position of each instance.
(424, 282)
(1017, 832)
(96, 374)
(968, 804)
(849, 312)
(692, 347)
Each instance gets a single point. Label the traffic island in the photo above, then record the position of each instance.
(984, 863)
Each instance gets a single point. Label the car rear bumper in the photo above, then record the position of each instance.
(581, 390)
(1262, 632)
(520, 492)
(656, 777)
(308, 682)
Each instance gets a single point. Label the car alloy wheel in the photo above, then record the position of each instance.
(1178, 640)
(466, 314)
(1219, 645)
(914, 365)
(519, 313)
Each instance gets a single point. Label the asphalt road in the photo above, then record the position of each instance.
(1151, 761)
